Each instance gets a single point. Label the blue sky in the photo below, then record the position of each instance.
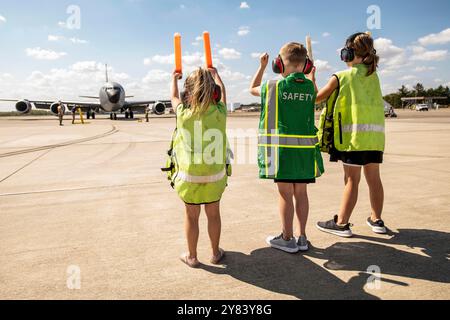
(41, 58)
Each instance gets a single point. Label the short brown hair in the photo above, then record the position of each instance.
(295, 53)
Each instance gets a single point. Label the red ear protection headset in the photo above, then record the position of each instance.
(278, 65)
(217, 94)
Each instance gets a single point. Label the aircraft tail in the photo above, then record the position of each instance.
(106, 73)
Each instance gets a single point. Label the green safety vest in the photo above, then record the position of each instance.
(288, 144)
(358, 117)
(198, 166)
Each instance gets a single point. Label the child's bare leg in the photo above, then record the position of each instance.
(301, 206)
(214, 225)
(286, 191)
(192, 230)
(372, 173)
(350, 196)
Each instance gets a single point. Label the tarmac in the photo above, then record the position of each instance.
(86, 213)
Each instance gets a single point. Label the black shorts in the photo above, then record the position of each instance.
(357, 158)
(307, 181)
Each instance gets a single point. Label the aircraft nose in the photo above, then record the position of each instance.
(114, 95)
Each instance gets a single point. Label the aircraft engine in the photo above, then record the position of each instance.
(54, 108)
(23, 106)
(159, 108)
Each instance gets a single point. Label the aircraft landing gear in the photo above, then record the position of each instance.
(129, 114)
(90, 114)
(113, 116)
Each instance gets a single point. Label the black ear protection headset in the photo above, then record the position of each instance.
(348, 53)
(278, 65)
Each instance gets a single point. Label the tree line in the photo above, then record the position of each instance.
(418, 91)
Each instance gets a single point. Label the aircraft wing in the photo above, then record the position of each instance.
(145, 103)
(140, 106)
(45, 104)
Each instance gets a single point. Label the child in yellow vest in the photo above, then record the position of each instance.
(359, 131)
(200, 174)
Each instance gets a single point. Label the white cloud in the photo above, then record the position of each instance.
(43, 54)
(229, 75)
(326, 34)
(2, 19)
(78, 41)
(54, 38)
(244, 5)
(243, 31)
(88, 66)
(422, 54)
(424, 69)
(442, 37)
(407, 78)
(62, 24)
(197, 41)
(156, 76)
(322, 65)
(182, 6)
(390, 54)
(189, 60)
(229, 54)
(437, 80)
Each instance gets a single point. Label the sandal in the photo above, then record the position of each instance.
(216, 259)
(193, 263)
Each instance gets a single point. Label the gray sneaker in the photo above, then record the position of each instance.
(302, 243)
(283, 245)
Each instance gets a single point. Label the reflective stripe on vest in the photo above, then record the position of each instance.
(287, 141)
(271, 126)
(363, 128)
(201, 179)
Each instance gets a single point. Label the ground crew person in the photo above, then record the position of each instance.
(288, 150)
(198, 173)
(147, 114)
(359, 131)
(74, 110)
(60, 113)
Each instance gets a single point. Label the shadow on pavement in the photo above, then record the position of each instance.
(297, 276)
(292, 275)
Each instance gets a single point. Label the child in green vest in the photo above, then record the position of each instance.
(358, 125)
(200, 175)
(288, 150)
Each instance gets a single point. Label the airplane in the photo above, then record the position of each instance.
(111, 99)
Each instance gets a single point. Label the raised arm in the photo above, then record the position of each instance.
(175, 94)
(255, 87)
(326, 91)
(219, 82)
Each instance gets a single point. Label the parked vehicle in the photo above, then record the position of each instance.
(422, 107)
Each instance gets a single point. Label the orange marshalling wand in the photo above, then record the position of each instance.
(208, 55)
(178, 57)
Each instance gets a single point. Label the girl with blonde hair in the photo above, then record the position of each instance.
(199, 155)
